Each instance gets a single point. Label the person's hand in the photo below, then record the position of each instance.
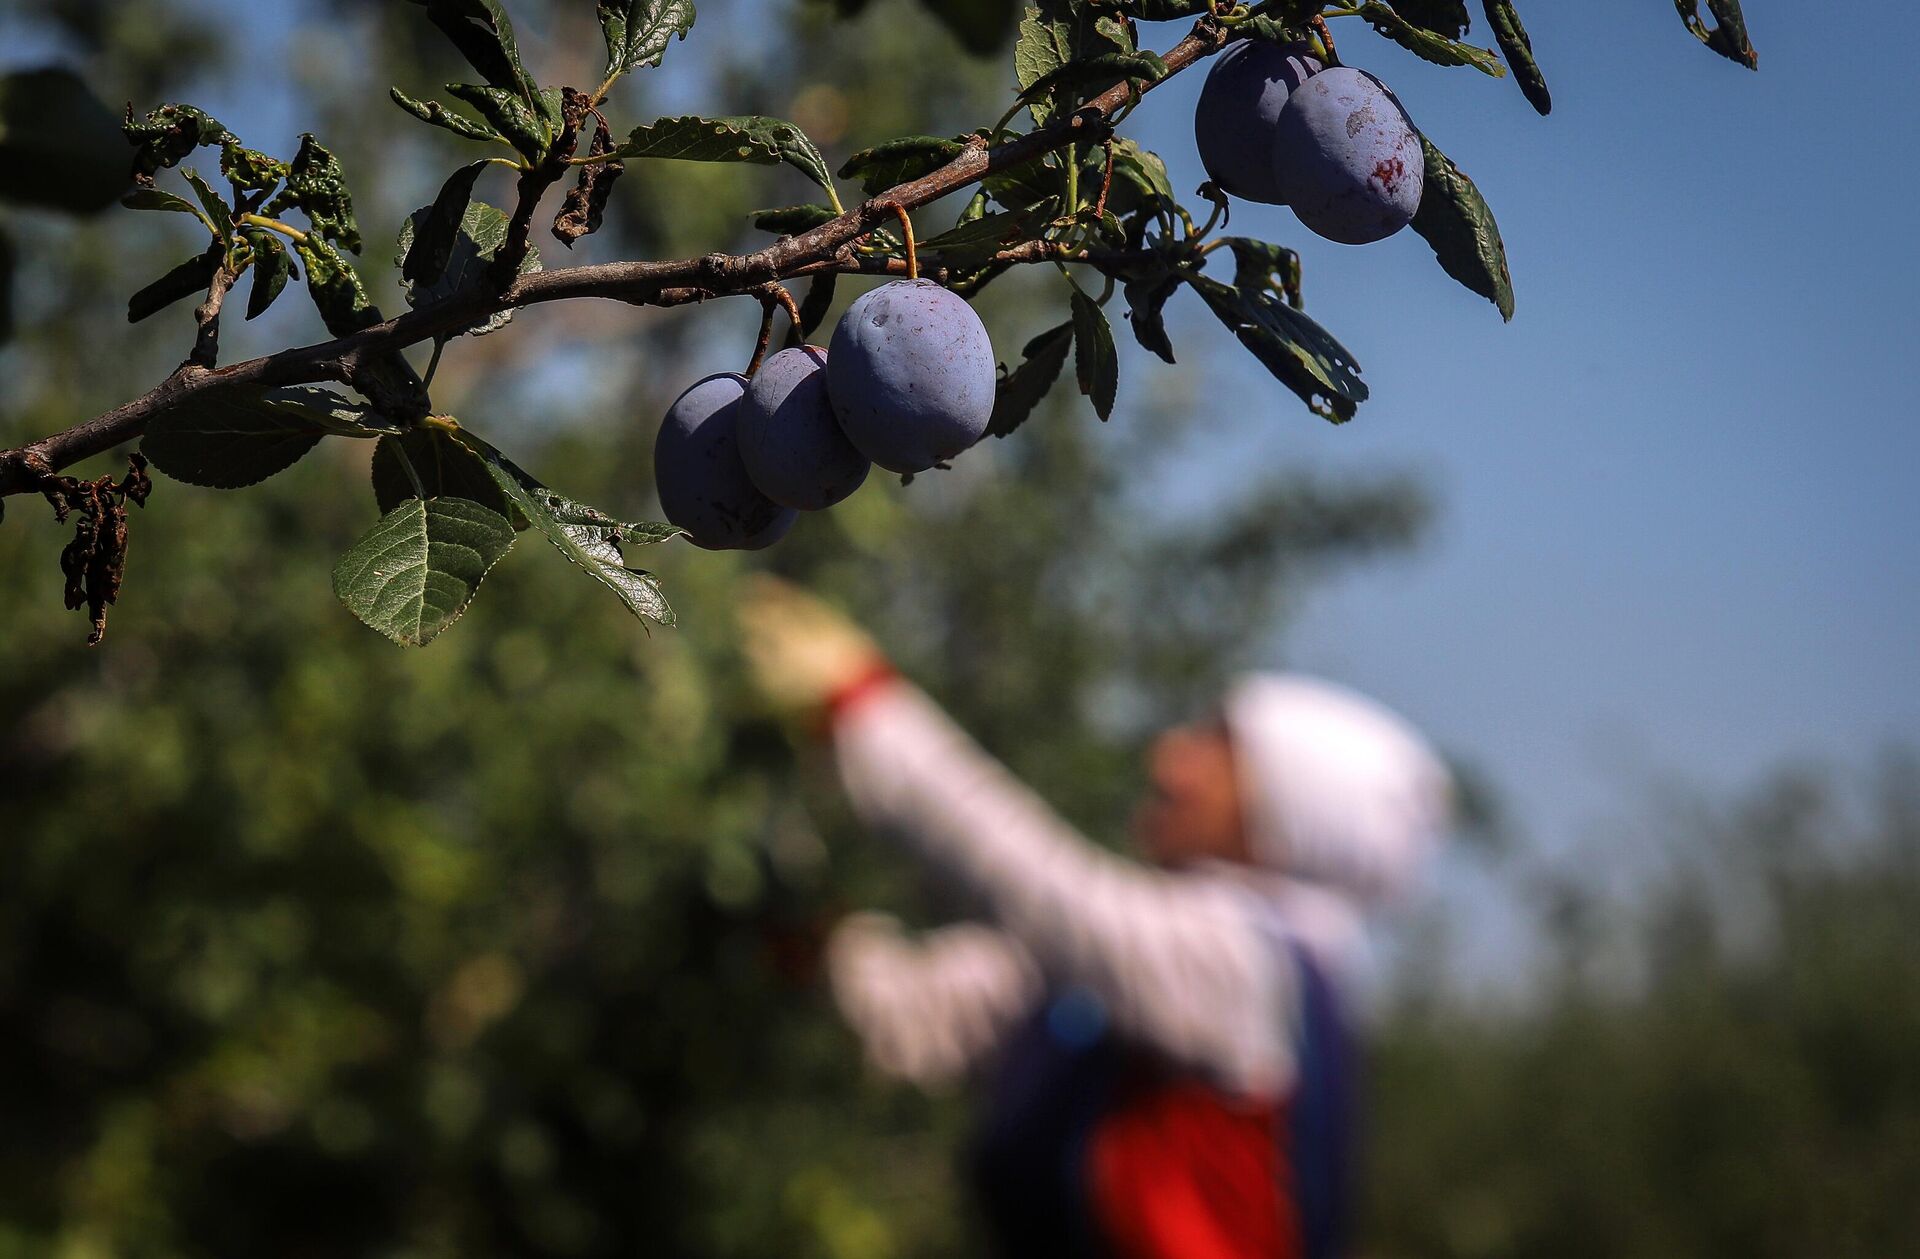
(800, 651)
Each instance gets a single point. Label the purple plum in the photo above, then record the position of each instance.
(912, 375)
(702, 483)
(1238, 108)
(1349, 157)
(789, 440)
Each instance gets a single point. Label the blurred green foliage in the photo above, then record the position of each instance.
(312, 947)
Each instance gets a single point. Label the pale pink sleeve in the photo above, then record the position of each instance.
(933, 1007)
(1181, 963)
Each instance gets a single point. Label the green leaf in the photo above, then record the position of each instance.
(762, 141)
(239, 437)
(1057, 34)
(590, 538)
(318, 187)
(899, 161)
(791, 220)
(335, 288)
(1029, 185)
(445, 467)
(219, 213)
(1146, 300)
(526, 127)
(189, 279)
(160, 199)
(1455, 220)
(60, 147)
(436, 227)
(1513, 41)
(414, 573)
(483, 229)
(440, 116)
(1728, 35)
(1443, 17)
(1096, 365)
(1104, 70)
(638, 31)
(1299, 352)
(483, 33)
(251, 169)
(1257, 265)
(977, 240)
(168, 134)
(1427, 45)
(271, 268)
(1021, 389)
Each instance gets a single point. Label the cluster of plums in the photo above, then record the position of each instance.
(1276, 125)
(906, 382)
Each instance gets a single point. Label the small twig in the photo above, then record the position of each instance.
(1319, 25)
(1106, 183)
(206, 317)
(767, 307)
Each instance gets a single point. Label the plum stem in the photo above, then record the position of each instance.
(906, 232)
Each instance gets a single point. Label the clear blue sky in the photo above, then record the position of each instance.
(1678, 535)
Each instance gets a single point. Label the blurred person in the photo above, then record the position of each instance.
(1162, 1048)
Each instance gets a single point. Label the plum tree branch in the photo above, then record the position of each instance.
(654, 283)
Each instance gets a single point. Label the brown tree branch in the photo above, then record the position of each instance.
(671, 283)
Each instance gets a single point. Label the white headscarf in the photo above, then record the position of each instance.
(1337, 790)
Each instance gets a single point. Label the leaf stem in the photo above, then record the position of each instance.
(433, 364)
(287, 230)
(406, 464)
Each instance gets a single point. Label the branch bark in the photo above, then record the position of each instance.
(668, 283)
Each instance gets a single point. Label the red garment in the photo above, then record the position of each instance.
(1181, 1170)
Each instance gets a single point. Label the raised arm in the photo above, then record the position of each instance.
(934, 1007)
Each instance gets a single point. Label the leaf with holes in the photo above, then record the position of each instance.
(638, 31)
(234, 438)
(1426, 44)
(168, 134)
(1022, 388)
(1301, 354)
(317, 186)
(1728, 35)
(589, 537)
(416, 571)
(1455, 220)
(483, 229)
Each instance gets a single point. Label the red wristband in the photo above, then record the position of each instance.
(851, 694)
